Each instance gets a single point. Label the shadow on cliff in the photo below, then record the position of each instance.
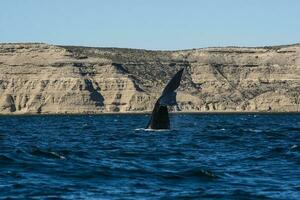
(94, 94)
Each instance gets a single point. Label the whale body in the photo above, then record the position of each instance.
(160, 116)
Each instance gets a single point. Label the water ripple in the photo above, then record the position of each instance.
(110, 157)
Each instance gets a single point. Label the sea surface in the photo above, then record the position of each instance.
(212, 156)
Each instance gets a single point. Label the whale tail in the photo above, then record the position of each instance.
(160, 116)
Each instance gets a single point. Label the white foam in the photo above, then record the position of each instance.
(152, 130)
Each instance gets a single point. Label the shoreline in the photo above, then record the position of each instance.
(149, 113)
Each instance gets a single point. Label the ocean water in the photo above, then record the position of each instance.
(215, 156)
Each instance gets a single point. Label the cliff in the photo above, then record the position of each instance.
(42, 78)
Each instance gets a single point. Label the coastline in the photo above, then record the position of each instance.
(149, 113)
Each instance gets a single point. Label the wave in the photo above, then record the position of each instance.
(47, 154)
(5, 159)
(190, 174)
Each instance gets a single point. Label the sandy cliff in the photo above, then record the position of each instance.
(41, 78)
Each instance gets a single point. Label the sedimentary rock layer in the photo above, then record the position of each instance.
(42, 78)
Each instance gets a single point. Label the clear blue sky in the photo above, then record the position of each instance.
(151, 24)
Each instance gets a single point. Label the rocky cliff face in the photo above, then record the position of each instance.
(41, 78)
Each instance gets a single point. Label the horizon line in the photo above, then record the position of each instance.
(145, 49)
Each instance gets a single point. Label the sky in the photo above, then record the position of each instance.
(151, 24)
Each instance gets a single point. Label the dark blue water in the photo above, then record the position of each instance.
(112, 157)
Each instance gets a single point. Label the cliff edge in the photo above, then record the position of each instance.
(42, 78)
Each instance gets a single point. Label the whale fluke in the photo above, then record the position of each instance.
(160, 116)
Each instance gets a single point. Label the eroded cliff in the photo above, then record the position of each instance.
(42, 78)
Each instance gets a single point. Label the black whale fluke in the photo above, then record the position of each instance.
(160, 116)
